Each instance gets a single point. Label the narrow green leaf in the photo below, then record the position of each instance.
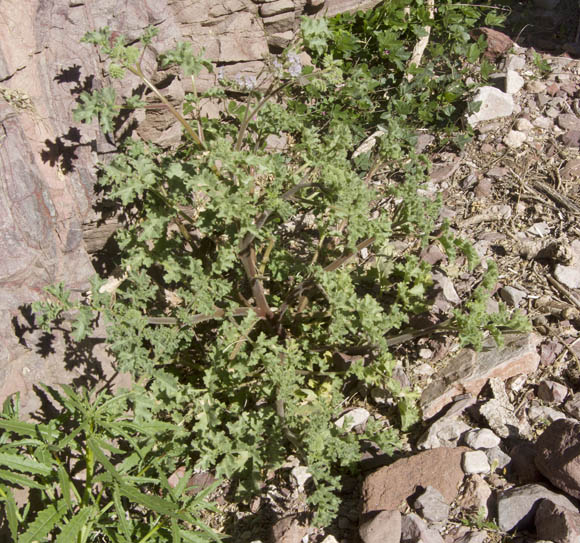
(69, 532)
(65, 486)
(19, 479)
(22, 463)
(44, 522)
(121, 515)
(159, 505)
(175, 532)
(103, 460)
(11, 513)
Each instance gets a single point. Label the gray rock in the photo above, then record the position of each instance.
(475, 462)
(543, 412)
(513, 82)
(517, 506)
(555, 523)
(275, 8)
(568, 121)
(469, 371)
(571, 138)
(481, 438)
(431, 505)
(568, 275)
(499, 413)
(552, 391)
(544, 123)
(385, 527)
(445, 432)
(414, 529)
(494, 104)
(536, 86)
(498, 460)
(558, 455)
(572, 406)
(513, 296)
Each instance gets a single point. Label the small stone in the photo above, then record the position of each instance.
(515, 62)
(568, 121)
(431, 505)
(498, 460)
(329, 539)
(523, 125)
(355, 417)
(414, 529)
(494, 104)
(568, 275)
(385, 527)
(572, 406)
(556, 523)
(515, 139)
(444, 432)
(475, 462)
(517, 506)
(513, 296)
(498, 43)
(543, 122)
(476, 495)
(536, 86)
(513, 82)
(552, 391)
(540, 229)
(481, 438)
(499, 413)
(483, 188)
(571, 138)
(289, 529)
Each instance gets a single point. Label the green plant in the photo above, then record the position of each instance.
(541, 64)
(245, 273)
(97, 471)
(480, 522)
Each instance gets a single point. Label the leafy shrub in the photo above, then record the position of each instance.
(246, 272)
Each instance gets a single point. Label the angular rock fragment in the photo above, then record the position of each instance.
(517, 506)
(431, 505)
(494, 104)
(555, 523)
(558, 455)
(469, 371)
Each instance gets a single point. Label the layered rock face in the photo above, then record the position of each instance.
(47, 161)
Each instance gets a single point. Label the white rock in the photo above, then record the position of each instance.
(494, 104)
(354, 417)
(513, 82)
(481, 438)
(301, 476)
(523, 125)
(329, 539)
(515, 62)
(515, 139)
(540, 229)
(475, 462)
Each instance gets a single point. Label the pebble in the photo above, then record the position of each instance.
(494, 104)
(514, 82)
(523, 125)
(515, 139)
(475, 462)
(552, 391)
(385, 527)
(572, 406)
(481, 438)
(543, 122)
(513, 296)
(498, 460)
